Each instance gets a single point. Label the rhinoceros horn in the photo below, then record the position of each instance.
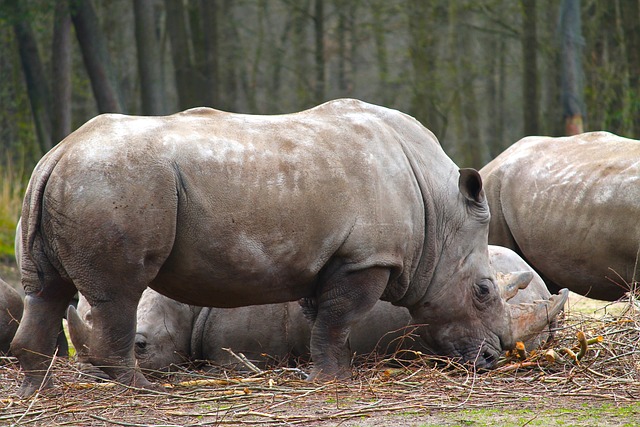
(529, 319)
(511, 283)
(79, 332)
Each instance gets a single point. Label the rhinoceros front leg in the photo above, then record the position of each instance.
(343, 299)
(109, 343)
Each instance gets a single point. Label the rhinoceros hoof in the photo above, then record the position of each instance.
(31, 385)
(91, 372)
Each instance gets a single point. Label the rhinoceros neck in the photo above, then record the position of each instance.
(435, 175)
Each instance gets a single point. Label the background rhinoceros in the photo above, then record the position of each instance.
(10, 313)
(342, 205)
(171, 333)
(569, 206)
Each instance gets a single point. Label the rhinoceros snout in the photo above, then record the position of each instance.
(487, 360)
(484, 357)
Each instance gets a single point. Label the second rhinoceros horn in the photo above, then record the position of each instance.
(528, 319)
(511, 283)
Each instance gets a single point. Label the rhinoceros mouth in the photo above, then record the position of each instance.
(487, 359)
(482, 355)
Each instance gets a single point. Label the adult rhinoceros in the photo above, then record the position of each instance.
(569, 206)
(170, 333)
(342, 204)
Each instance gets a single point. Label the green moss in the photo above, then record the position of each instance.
(584, 415)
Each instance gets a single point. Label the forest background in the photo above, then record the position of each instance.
(481, 74)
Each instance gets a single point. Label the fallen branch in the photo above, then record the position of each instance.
(243, 359)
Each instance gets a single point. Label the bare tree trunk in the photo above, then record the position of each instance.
(201, 35)
(572, 80)
(277, 53)
(469, 144)
(422, 54)
(230, 50)
(35, 78)
(352, 26)
(530, 63)
(149, 58)
(249, 76)
(180, 53)
(377, 10)
(549, 71)
(502, 88)
(209, 17)
(318, 20)
(495, 63)
(630, 11)
(61, 72)
(96, 56)
(347, 49)
(301, 65)
(341, 33)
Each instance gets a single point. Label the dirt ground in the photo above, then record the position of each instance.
(601, 389)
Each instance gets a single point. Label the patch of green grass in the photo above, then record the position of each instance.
(72, 349)
(586, 415)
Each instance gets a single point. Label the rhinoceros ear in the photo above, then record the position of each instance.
(470, 185)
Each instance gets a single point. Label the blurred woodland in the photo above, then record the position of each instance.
(480, 74)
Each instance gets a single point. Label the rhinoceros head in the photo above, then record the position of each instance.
(464, 311)
(163, 331)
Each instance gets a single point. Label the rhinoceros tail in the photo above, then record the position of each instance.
(32, 207)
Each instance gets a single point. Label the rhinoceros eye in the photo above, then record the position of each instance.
(482, 289)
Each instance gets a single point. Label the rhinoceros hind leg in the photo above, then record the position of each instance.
(344, 298)
(111, 343)
(37, 336)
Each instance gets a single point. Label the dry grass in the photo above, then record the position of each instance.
(607, 372)
(11, 193)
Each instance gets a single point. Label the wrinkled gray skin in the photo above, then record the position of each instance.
(10, 314)
(569, 207)
(342, 204)
(171, 333)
